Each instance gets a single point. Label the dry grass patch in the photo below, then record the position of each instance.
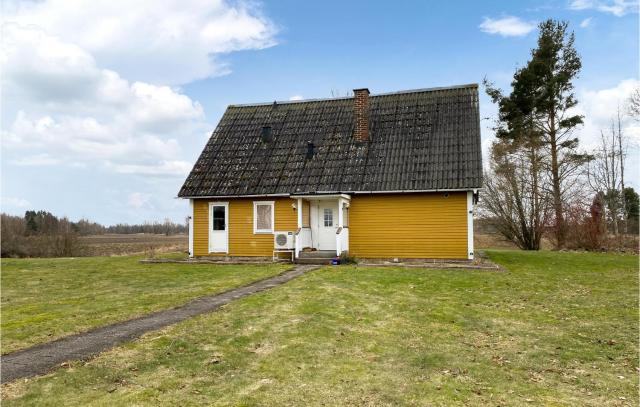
(556, 329)
(45, 299)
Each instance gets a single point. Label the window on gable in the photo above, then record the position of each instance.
(263, 217)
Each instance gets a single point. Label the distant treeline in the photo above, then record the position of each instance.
(42, 234)
(85, 227)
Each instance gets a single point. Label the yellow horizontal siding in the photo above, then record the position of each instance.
(399, 225)
(242, 240)
(409, 226)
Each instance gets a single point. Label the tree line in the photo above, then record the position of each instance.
(539, 181)
(43, 222)
(42, 234)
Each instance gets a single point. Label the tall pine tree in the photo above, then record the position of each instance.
(541, 100)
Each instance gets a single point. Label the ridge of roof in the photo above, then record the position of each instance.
(401, 92)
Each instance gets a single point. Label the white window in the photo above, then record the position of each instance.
(328, 217)
(263, 217)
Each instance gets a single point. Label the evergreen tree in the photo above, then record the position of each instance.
(31, 222)
(632, 203)
(539, 107)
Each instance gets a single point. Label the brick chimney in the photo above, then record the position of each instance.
(361, 113)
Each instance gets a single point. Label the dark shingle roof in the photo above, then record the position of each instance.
(426, 139)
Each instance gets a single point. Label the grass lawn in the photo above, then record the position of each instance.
(44, 299)
(556, 329)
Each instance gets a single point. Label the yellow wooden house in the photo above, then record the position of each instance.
(385, 176)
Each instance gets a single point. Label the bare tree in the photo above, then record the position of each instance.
(605, 174)
(622, 154)
(634, 104)
(515, 196)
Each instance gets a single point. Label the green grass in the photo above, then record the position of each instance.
(44, 299)
(556, 329)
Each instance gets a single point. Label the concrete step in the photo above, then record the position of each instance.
(318, 254)
(319, 261)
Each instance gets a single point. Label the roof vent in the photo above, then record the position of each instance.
(266, 134)
(310, 150)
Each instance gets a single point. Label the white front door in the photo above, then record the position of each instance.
(218, 227)
(327, 225)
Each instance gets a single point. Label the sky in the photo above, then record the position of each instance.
(106, 104)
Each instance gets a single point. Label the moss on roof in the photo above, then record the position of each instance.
(427, 139)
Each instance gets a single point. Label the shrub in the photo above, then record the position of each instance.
(39, 234)
(587, 228)
(345, 258)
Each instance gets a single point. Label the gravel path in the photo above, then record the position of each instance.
(43, 358)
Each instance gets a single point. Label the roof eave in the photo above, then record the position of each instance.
(403, 191)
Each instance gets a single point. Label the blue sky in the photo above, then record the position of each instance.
(104, 113)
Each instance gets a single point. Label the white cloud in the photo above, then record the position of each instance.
(139, 200)
(599, 107)
(86, 139)
(169, 41)
(507, 26)
(15, 202)
(69, 107)
(586, 22)
(616, 7)
(36, 160)
(41, 71)
(164, 168)
(296, 97)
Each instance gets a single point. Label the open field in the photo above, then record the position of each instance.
(44, 299)
(138, 243)
(493, 240)
(556, 329)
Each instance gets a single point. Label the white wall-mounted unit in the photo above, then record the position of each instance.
(283, 240)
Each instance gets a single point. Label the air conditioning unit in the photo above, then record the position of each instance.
(283, 240)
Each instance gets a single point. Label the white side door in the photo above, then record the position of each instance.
(219, 227)
(327, 225)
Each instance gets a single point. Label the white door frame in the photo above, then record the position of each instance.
(332, 204)
(226, 226)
